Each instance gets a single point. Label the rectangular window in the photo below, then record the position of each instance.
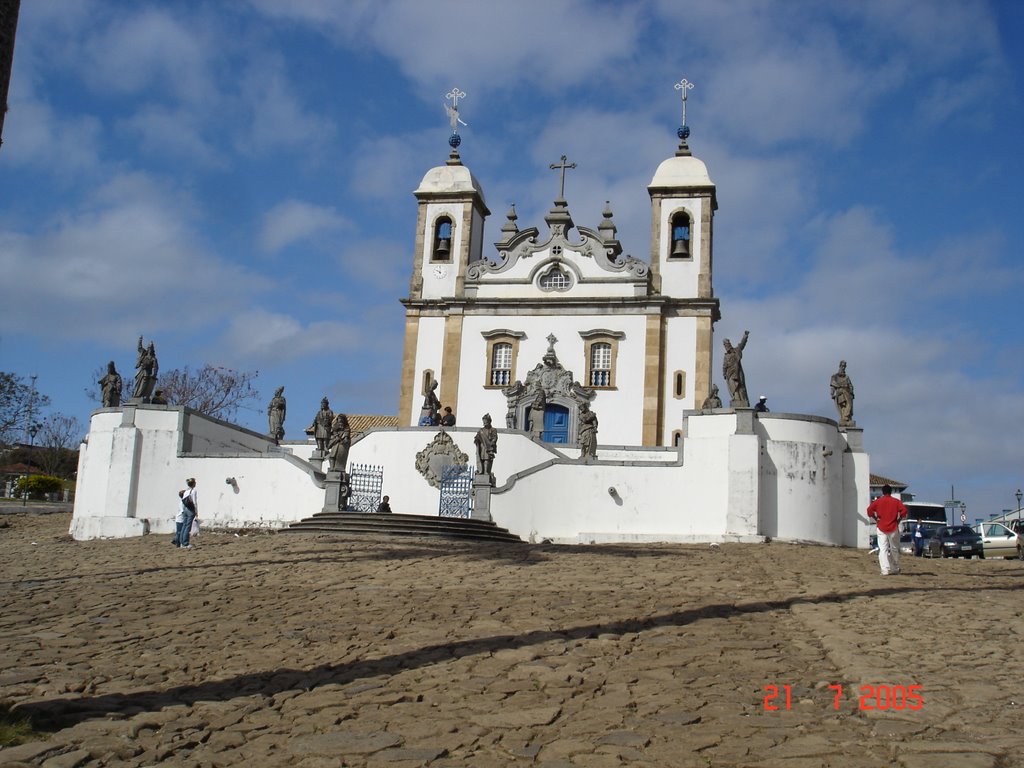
(501, 365)
(601, 364)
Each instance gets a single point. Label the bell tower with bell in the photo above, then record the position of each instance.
(449, 235)
(450, 221)
(683, 204)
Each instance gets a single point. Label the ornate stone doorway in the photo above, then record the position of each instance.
(562, 397)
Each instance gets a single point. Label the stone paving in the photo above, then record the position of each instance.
(266, 650)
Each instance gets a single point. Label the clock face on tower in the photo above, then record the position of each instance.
(440, 273)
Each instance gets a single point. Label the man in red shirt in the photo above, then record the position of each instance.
(887, 513)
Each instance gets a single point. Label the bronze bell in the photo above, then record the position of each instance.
(681, 248)
(444, 247)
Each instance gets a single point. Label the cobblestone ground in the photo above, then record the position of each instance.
(273, 650)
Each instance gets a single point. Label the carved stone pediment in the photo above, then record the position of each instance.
(558, 385)
(439, 453)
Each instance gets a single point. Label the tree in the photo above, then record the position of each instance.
(37, 486)
(215, 391)
(58, 439)
(20, 405)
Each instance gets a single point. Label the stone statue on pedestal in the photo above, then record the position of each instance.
(275, 415)
(588, 432)
(537, 407)
(486, 441)
(842, 393)
(146, 369)
(732, 372)
(431, 407)
(341, 439)
(320, 429)
(712, 400)
(110, 387)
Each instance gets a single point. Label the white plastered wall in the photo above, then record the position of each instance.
(680, 355)
(133, 465)
(429, 355)
(784, 475)
(619, 410)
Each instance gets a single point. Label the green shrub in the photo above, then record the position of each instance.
(37, 486)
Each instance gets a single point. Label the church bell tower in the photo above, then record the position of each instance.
(449, 235)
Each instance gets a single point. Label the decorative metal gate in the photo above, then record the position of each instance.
(456, 491)
(366, 481)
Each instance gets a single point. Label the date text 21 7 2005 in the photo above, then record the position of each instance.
(872, 697)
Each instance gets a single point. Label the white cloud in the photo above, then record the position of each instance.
(275, 114)
(169, 132)
(294, 221)
(378, 262)
(35, 135)
(262, 338)
(152, 51)
(549, 45)
(931, 399)
(127, 261)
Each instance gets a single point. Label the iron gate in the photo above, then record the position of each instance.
(456, 491)
(366, 482)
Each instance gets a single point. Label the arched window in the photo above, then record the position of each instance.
(679, 385)
(680, 247)
(442, 250)
(555, 279)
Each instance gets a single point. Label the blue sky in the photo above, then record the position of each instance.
(234, 180)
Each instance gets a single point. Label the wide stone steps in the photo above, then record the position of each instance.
(361, 523)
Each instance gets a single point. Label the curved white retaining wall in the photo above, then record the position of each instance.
(735, 477)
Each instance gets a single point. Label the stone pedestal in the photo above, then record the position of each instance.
(336, 492)
(482, 484)
(854, 438)
(317, 457)
(744, 421)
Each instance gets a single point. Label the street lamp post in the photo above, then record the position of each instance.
(1018, 494)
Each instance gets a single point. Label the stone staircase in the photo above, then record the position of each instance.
(360, 523)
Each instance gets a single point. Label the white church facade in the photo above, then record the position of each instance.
(634, 335)
(535, 331)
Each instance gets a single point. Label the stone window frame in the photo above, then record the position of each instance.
(677, 438)
(493, 339)
(434, 239)
(601, 336)
(681, 211)
(569, 279)
(679, 385)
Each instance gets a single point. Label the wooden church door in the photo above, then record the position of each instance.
(556, 424)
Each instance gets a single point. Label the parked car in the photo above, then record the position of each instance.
(909, 527)
(1000, 541)
(954, 541)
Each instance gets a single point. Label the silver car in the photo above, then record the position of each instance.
(1000, 541)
